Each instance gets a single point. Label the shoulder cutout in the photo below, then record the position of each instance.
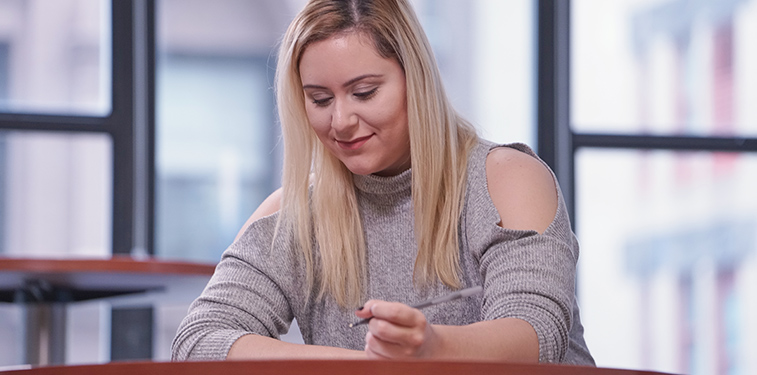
(522, 189)
(269, 206)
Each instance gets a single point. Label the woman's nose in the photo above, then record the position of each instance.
(343, 118)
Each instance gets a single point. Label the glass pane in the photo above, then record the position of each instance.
(55, 201)
(11, 318)
(664, 67)
(216, 135)
(55, 194)
(55, 57)
(668, 269)
(485, 50)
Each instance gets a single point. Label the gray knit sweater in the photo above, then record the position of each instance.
(258, 288)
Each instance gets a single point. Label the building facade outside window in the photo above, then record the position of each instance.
(668, 272)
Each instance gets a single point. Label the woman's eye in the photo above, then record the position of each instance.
(365, 95)
(321, 102)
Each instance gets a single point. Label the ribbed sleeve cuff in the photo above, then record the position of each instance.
(552, 345)
(214, 346)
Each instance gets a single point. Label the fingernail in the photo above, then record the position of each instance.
(360, 308)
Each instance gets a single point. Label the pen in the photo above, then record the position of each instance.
(435, 301)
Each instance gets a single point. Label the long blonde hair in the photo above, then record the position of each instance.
(439, 143)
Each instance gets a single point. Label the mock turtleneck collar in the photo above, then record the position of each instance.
(373, 184)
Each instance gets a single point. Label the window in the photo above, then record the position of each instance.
(217, 152)
(216, 133)
(54, 61)
(66, 167)
(56, 194)
(668, 258)
(485, 51)
(662, 129)
(665, 67)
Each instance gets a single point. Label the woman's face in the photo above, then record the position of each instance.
(356, 103)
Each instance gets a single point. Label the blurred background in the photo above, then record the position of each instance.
(148, 127)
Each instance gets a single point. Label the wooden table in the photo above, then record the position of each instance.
(45, 286)
(325, 367)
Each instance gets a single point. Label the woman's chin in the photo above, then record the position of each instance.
(361, 170)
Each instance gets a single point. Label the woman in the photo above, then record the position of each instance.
(361, 102)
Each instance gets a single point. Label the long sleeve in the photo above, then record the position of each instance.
(246, 295)
(525, 274)
(531, 276)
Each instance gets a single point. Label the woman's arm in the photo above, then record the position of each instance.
(261, 347)
(507, 339)
(525, 196)
(399, 331)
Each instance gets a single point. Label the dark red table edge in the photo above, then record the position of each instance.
(323, 367)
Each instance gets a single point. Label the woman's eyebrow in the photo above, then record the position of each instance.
(346, 84)
(360, 78)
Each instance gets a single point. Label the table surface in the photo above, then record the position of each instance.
(84, 279)
(330, 367)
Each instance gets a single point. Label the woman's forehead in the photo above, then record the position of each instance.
(341, 54)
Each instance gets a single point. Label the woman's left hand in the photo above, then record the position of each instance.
(397, 331)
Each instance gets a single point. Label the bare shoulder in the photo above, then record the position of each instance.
(522, 189)
(269, 206)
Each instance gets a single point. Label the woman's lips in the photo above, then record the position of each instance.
(353, 144)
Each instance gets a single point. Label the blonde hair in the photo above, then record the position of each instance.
(327, 223)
